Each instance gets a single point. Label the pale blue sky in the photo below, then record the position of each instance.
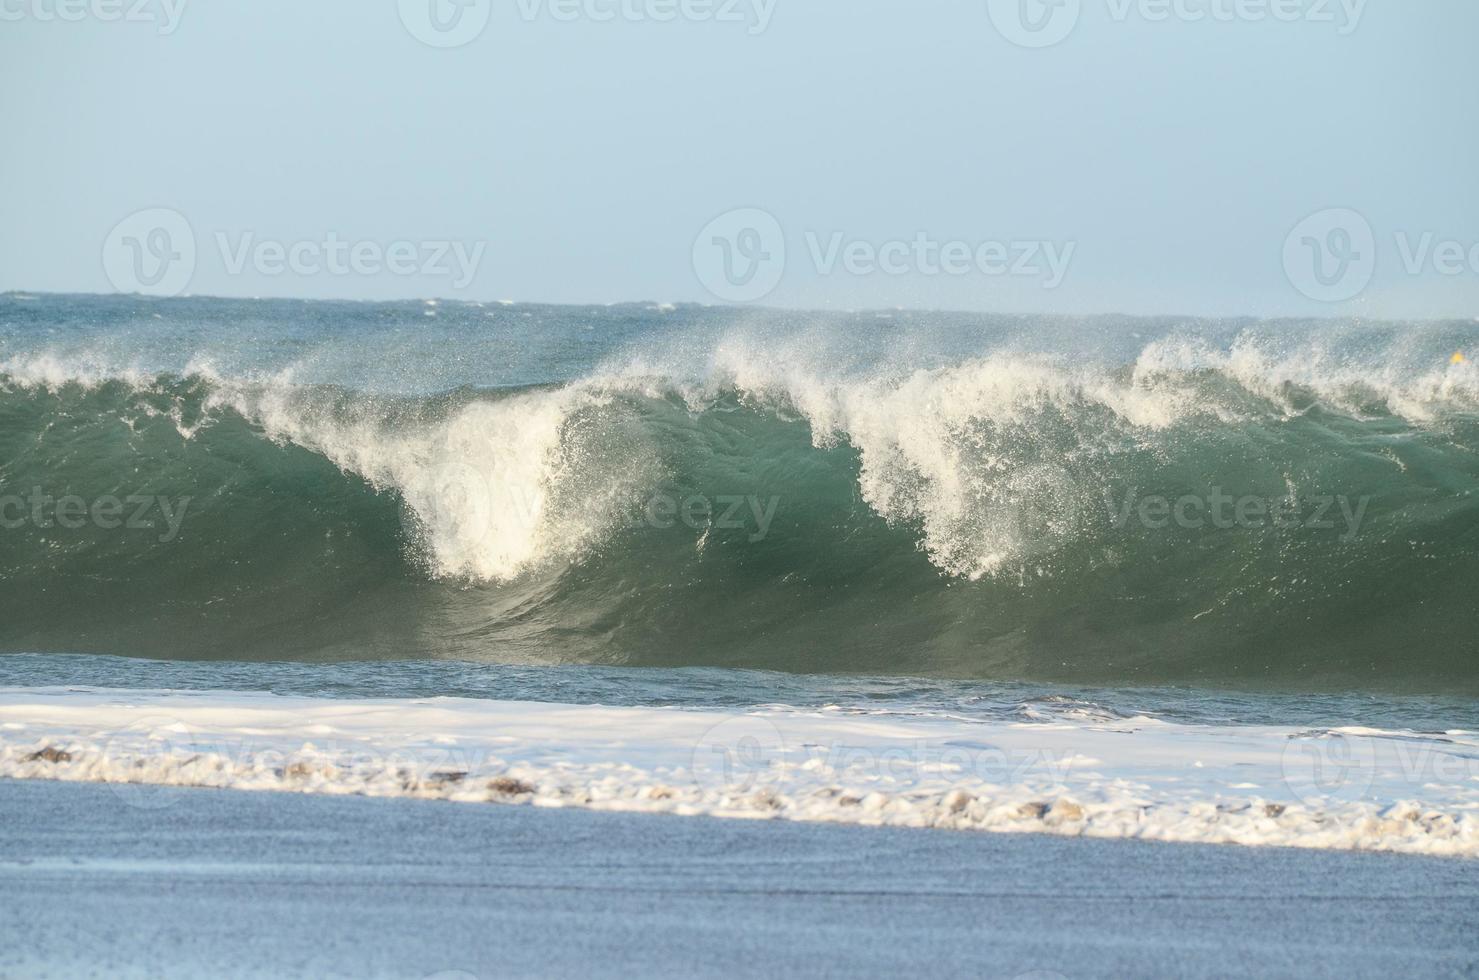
(586, 155)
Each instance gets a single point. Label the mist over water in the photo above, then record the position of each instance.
(1107, 501)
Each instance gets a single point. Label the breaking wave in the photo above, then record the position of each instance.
(1300, 516)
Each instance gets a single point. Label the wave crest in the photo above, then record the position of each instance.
(976, 516)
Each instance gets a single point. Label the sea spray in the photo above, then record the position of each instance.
(902, 494)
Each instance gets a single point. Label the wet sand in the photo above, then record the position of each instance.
(222, 883)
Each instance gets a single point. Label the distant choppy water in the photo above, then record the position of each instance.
(1103, 502)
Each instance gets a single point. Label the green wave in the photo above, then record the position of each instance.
(736, 530)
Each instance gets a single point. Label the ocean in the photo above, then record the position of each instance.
(1115, 576)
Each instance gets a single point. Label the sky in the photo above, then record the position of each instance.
(1181, 157)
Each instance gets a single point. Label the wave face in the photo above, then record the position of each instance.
(1106, 501)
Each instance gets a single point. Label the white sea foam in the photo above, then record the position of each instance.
(1344, 383)
(997, 458)
(1355, 788)
(494, 487)
(51, 371)
(994, 459)
(966, 452)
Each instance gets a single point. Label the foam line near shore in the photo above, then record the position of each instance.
(1349, 788)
